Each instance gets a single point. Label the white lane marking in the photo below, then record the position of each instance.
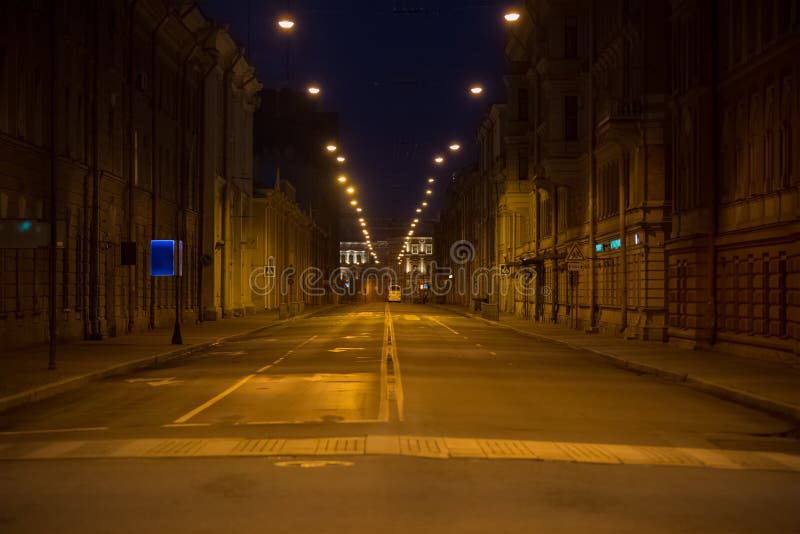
(53, 431)
(237, 385)
(184, 425)
(155, 382)
(213, 401)
(345, 349)
(287, 353)
(437, 321)
(493, 353)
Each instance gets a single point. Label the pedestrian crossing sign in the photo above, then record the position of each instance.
(269, 271)
(505, 270)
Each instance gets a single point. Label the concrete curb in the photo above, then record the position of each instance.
(739, 396)
(56, 388)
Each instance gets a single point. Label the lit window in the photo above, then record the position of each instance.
(615, 244)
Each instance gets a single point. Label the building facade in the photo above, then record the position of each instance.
(140, 114)
(733, 252)
(644, 167)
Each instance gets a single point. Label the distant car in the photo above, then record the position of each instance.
(395, 294)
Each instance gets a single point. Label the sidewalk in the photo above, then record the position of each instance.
(24, 377)
(767, 386)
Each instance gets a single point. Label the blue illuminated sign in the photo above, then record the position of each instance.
(598, 247)
(166, 257)
(615, 244)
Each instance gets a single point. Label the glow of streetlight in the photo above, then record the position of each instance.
(431, 180)
(476, 90)
(361, 219)
(512, 16)
(438, 160)
(363, 224)
(331, 148)
(341, 179)
(341, 159)
(455, 147)
(350, 190)
(413, 225)
(416, 220)
(429, 192)
(425, 204)
(314, 90)
(354, 202)
(359, 210)
(286, 23)
(419, 210)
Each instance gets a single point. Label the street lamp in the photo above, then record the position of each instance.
(416, 220)
(476, 90)
(438, 160)
(429, 192)
(341, 179)
(425, 204)
(286, 23)
(350, 190)
(341, 159)
(331, 148)
(419, 210)
(354, 202)
(455, 147)
(431, 180)
(359, 210)
(314, 90)
(512, 16)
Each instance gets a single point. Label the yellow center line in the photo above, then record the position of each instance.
(211, 402)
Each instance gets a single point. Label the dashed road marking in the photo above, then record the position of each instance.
(211, 402)
(437, 321)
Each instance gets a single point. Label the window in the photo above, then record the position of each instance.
(523, 168)
(428, 249)
(523, 104)
(415, 248)
(570, 118)
(571, 37)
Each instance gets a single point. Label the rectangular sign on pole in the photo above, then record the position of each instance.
(166, 257)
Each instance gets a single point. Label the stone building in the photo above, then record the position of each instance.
(151, 107)
(647, 172)
(733, 252)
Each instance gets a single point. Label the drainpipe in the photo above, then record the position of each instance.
(202, 190)
(592, 177)
(131, 226)
(153, 174)
(715, 177)
(51, 305)
(94, 266)
(227, 176)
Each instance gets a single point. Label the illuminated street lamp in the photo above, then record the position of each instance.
(438, 160)
(416, 220)
(361, 219)
(413, 225)
(359, 210)
(476, 90)
(341, 159)
(512, 16)
(424, 204)
(431, 180)
(341, 179)
(419, 210)
(331, 148)
(350, 190)
(429, 192)
(455, 147)
(354, 202)
(314, 90)
(286, 23)
(363, 224)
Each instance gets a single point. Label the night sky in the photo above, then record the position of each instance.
(399, 81)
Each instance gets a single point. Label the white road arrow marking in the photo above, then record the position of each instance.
(345, 349)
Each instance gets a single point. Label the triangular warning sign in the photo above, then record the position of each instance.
(575, 254)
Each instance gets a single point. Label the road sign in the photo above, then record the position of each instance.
(505, 270)
(269, 271)
(166, 257)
